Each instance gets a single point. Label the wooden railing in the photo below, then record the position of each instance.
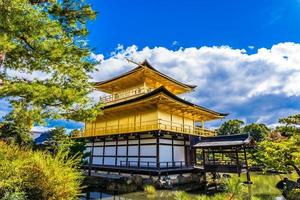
(158, 165)
(124, 95)
(146, 126)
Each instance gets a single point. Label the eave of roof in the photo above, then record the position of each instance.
(224, 141)
(163, 90)
(149, 66)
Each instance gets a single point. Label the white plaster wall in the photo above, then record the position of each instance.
(110, 151)
(165, 141)
(132, 150)
(98, 151)
(165, 153)
(178, 154)
(133, 142)
(97, 160)
(109, 161)
(178, 142)
(143, 141)
(148, 150)
(122, 151)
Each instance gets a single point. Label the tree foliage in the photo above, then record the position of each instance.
(47, 38)
(230, 127)
(258, 131)
(290, 125)
(236, 126)
(282, 153)
(58, 141)
(16, 129)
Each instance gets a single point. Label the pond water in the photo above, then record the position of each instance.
(263, 187)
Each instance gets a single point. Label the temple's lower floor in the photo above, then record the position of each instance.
(147, 152)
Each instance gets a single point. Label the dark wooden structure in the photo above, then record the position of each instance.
(143, 153)
(225, 154)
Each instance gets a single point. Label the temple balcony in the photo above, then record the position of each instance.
(153, 125)
(125, 95)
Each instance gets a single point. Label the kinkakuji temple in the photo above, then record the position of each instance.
(146, 128)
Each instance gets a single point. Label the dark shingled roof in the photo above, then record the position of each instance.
(224, 141)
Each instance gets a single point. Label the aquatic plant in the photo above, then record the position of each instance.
(149, 189)
(181, 195)
(294, 194)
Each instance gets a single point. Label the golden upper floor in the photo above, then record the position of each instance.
(143, 76)
(157, 110)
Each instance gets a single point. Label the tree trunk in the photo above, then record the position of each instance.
(296, 169)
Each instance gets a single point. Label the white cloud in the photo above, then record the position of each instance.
(222, 73)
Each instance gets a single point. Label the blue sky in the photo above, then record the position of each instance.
(243, 55)
(239, 24)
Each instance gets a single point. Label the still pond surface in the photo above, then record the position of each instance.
(263, 188)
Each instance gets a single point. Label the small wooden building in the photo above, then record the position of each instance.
(225, 154)
(146, 127)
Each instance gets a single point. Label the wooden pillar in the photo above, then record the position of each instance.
(116, 155)
(203, 163)
(247, 168)
(185, 156)
(139, 150)
(127, 138)
(91, 157)
(237, 162)
(103, 153)
(157, 150)
(173, 161)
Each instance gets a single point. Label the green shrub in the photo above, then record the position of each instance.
(37, 175)
(14, 196)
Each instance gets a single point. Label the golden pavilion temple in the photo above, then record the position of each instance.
(145, 126)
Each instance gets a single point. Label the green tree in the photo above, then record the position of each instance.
(258, 131)
(48, 38)
(59, 141)
(290, 125)
(15, 128)
(230, 127)
(281, 155)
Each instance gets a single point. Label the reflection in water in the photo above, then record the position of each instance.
(263, 187)
(91, 194)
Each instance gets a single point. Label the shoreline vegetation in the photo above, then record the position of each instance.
(38, 175)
